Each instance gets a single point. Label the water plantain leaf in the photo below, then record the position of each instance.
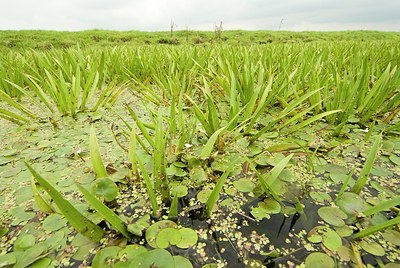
(274, 173)
(385, 205)
(377, 228)
(97, 162)
(76, 219)
(107, 213)
(208, 148)
(369, 163)
(212, 199)
(311, 120)
(40, 202)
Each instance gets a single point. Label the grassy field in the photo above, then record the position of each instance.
(258, 149)
(44, 40)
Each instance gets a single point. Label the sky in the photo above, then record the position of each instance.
(156, 15)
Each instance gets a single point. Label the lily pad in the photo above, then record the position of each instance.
(315, 235)
(345, 253)
(105, 188)
(198, 175)
(30, 256)
(54, 222)
(270, 205)
(320, 196)
(392, 236)
(179, 191)
(337, 169)
(182, 262)
(329, 238)
(7, 259)
(332, 215)
(332, 240)
(189, 238)
(153, 231)
(244, 185)
(131, 251)
(344, 231)
(351, 203)
(104, 255)
(138, 227)
(259, 213)
(24, 242)
(203, 195)
(20, 215)
(320, 260)
(372, 248)
(159, 258)
(381, 172)
(395, 159)
(173, 170)
(167, 237)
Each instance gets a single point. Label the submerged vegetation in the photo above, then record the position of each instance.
(253, 155)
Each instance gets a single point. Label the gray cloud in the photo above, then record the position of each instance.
(150, 15)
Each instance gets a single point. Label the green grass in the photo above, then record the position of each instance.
(44, 40)
(228, 132)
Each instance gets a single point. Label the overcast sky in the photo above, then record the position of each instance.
(154, 15)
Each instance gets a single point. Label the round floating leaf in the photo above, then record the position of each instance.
(320, 260)
(3, 231)
(392, 236)
(7, 259)
(131, 251)
(198, 175)
(45, 262)
(392, 265)
(331, 240)
(9, 152)
(203, 195)
(182, 262)
(20, 215)
(106, 188)
(24, 242)
(351, 203)
(320, 197)
(54, 222)
(315, 235)
(271, 206)
(159, 258)
(344, 231)
(344, 253)
(154, 230)
(104, 255)
(381, 172)
(395, 159)
(179, 191)
(259, 213)
(244, 185)
(372, 248)
(333, 168)
(189, 238)
(138, 227)
(11, 172)
(31, 255)
(168, 236)
(287, 176)
(173, 170)
(332, 215)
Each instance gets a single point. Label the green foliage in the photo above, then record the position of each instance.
(95, 156)
(77, 220)
(107, 213)
(369, 163)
